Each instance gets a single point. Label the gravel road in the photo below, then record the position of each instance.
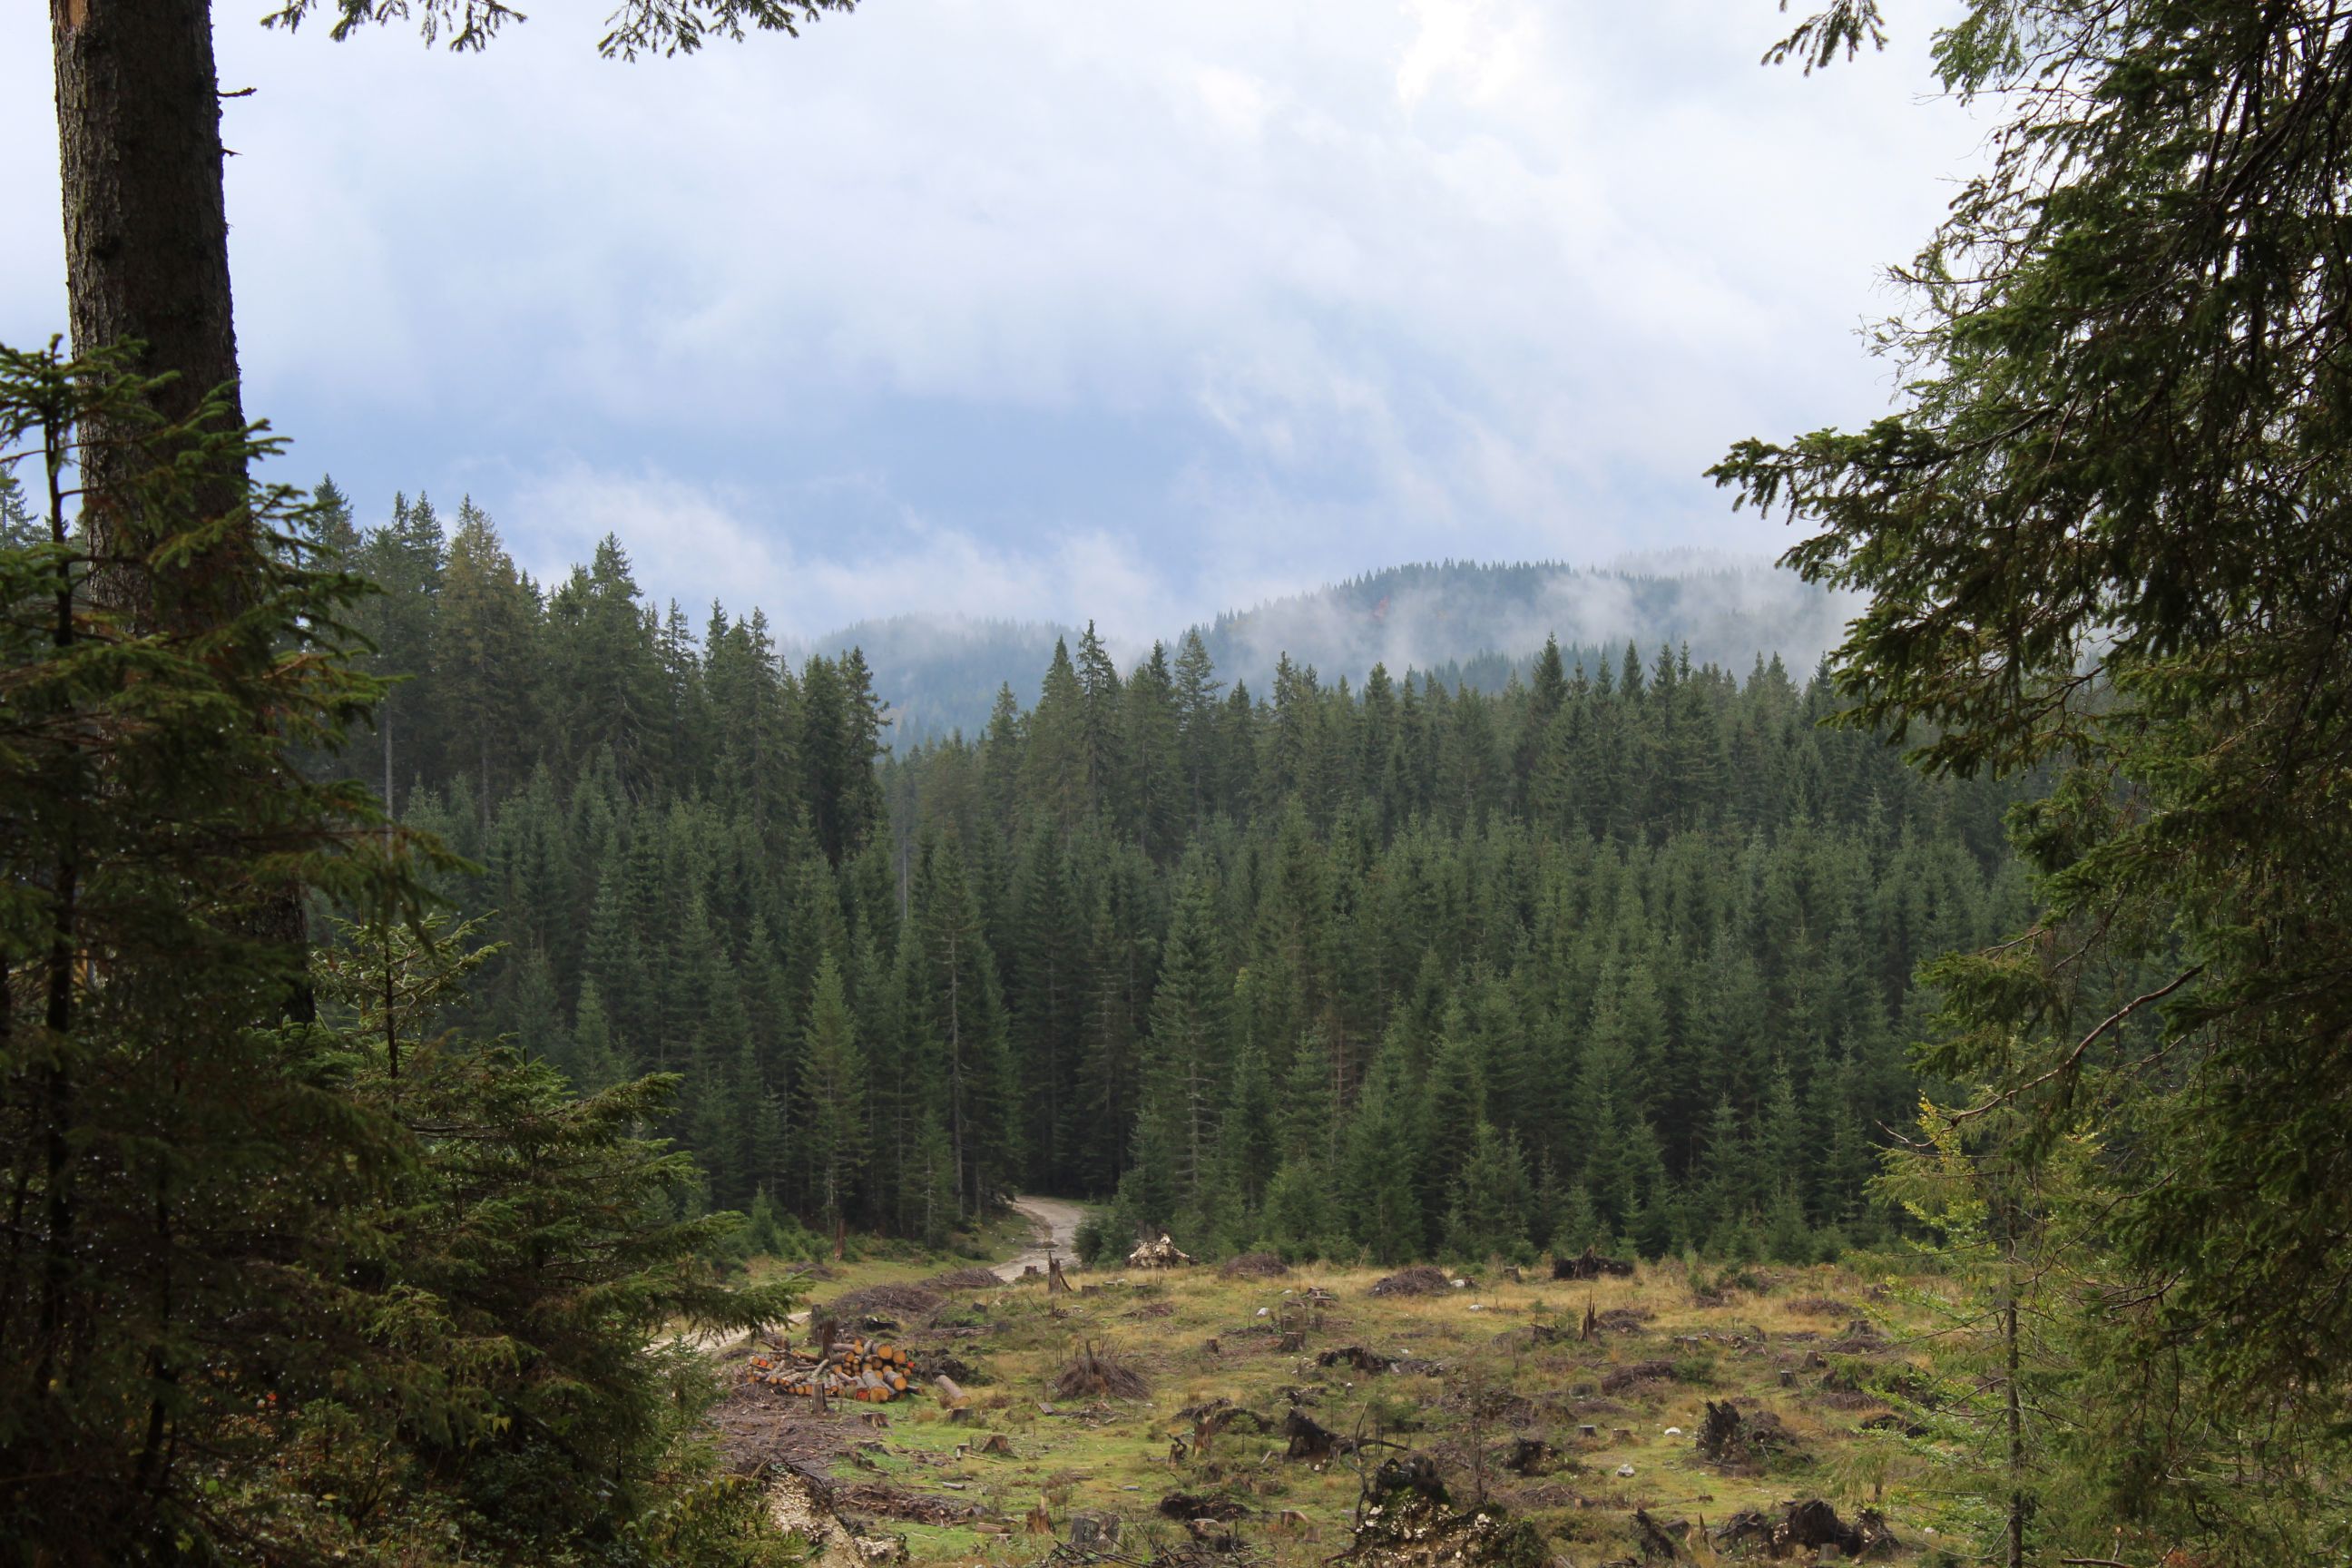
(1057, 1226)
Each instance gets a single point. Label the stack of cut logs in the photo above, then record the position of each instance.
(865, 1370)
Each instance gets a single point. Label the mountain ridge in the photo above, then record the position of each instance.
(1466, 622)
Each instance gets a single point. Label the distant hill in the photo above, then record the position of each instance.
(942, 673)
(1488, 618)
(1466, 622)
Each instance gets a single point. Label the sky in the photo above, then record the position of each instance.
(1055, 310)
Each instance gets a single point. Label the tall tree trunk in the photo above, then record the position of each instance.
(146, 224)
(146, 230)
(2015, 1411)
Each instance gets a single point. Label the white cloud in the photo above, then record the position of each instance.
(693, 542)
(974, 294)
(1481, 46)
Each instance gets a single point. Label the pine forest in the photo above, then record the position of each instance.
(1380, 969)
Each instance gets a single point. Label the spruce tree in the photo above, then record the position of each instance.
(832, 1090)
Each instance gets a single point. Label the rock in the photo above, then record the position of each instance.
(1626, 1471)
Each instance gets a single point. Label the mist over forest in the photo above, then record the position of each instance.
(1464, 622)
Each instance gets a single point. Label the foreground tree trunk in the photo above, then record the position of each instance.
(146, 230)
(146, 225)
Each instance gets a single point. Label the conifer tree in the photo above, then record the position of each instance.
(833, 1080)
(1188, 1050)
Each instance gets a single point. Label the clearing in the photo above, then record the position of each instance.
(1537, 1394)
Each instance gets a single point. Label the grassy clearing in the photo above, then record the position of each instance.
(1473, 1377)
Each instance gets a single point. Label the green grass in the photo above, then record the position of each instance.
(1162, 1325)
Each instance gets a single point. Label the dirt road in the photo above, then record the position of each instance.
(1058, 1225)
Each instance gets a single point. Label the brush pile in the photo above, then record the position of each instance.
(964, 1279)
(1590, 1264)
(867, 1371)
(1097, 1374)
(1418, 1280)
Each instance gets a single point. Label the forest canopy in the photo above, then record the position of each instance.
(1617, 953)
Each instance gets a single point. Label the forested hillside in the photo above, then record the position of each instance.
(1619, 952)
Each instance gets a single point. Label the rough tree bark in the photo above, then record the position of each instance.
(146, 231)
(146, 224)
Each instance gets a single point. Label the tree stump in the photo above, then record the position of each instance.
(1094, 1531)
